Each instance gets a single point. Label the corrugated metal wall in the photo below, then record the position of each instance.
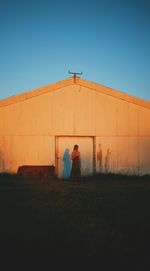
(121, 129)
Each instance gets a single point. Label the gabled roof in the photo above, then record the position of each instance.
(70, 81)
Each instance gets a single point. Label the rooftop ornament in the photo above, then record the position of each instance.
(75, 74)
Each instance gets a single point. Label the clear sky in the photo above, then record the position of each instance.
(108, 40)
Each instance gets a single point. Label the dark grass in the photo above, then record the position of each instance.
(102, 217)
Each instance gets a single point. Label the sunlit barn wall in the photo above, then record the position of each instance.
(28, 128)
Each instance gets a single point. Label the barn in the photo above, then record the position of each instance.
(111, 128)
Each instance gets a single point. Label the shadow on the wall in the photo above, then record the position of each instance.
(2, 164)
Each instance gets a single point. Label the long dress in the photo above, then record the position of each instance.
(76, 165)
(67, 165)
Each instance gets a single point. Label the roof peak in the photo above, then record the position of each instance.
(78, 81)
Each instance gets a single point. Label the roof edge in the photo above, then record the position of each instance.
(79, 81)
(113, 92)
(36, 92)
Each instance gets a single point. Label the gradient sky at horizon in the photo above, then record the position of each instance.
(109, 41)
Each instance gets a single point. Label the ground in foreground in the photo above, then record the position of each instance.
(104, 217)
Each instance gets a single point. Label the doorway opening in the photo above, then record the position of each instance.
(64, 147)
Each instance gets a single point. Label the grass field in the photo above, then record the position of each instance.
(105, 217)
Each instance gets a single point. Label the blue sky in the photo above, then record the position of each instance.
(108, 40)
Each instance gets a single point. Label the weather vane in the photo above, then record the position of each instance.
(74, 74)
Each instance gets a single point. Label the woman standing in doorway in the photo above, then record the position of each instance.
(76, 164)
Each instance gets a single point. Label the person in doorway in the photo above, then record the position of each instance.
(67, 164)
(76, 164)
